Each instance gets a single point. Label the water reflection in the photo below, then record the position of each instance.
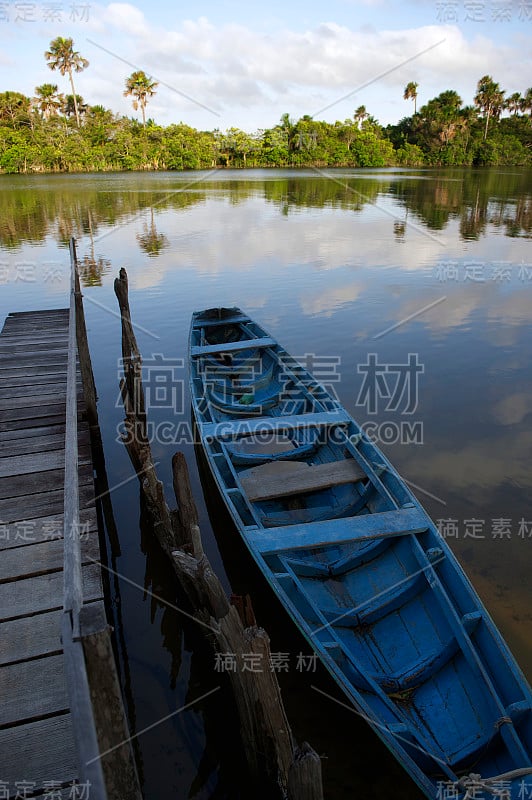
(150, 241)
(91, 267)
(188, 753)
(477, 199)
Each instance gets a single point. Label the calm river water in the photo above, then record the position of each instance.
(408, 293)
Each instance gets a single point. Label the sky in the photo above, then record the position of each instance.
(239, 64)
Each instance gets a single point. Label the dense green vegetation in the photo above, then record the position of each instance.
(54, 133)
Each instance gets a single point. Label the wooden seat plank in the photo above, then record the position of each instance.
(337, 531)
(263, 425)
(216, 323)
(231, 347)
(286, 478)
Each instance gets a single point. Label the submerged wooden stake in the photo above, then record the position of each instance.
(304, 778)
(279, 768)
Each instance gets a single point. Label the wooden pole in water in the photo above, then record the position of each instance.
(304, 778)
(278, 767)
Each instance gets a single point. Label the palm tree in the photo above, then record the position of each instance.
(410, 93)
(360, 115)
(489, 99)
(513, 103)
(289, 133)
(47, 99)
(468, 116)
(141, 88)
(69, 105)
(63, 57)
(526, 102)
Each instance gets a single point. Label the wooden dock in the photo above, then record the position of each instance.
(37, 744)
(63, 732)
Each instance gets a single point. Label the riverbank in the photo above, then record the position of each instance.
(440, 134)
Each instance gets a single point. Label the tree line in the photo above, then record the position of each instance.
(52, 131)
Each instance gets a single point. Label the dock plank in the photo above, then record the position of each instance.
(30, 462)
(44, 593)
(43, 557)
(44, 386)
(33, 374)
(21, 333)
(35, 461)
(36, 444)
(28, 432)
(28, 328)
(33, 762)
(46, 398)
(33, 636)
(25, 532)
(21, 319)
(29, 637)
(12, 416)
(32, 444)
(41, 504)
(32, 689)
(14, 346)
(38, 482)
(33, 329)
(44, 312)
(19, 424)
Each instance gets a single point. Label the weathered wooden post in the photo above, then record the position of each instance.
(278, 767)
(304, 778)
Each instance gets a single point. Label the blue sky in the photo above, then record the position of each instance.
(237, 64)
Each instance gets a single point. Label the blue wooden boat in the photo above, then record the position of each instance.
(359, 566)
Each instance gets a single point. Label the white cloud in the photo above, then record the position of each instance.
(127, 18)
(233, 68)
(513, 409)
